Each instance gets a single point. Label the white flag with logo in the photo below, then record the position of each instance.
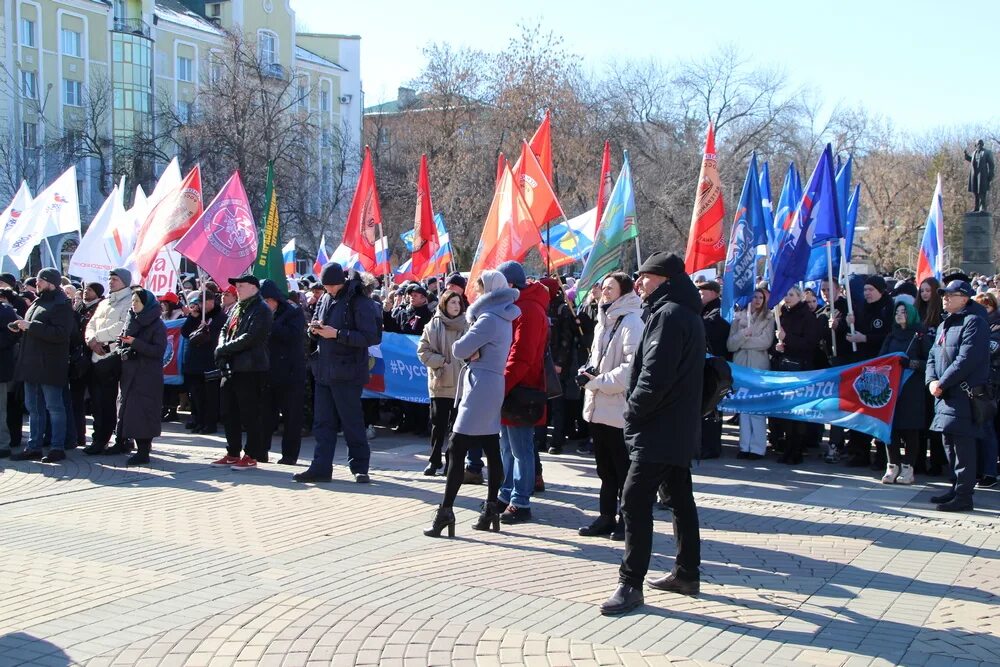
(119, 237)
(91, 261)
(55, 211)
(10, 217)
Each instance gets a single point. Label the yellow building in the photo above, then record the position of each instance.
(62, 58)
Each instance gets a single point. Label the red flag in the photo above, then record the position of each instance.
(168, 221)
(365, 217)
(536, 189)
(425, 236)
(705, 243)
(509, 231)
(501, 162)
(604, 187)
(541, 145)
(224, 239)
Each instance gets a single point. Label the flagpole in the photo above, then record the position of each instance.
(829, 272)
(548, 250)
(638, 254)
(850, 301)
(52, 255)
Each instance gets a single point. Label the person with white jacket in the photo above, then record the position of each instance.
(616, 336)
(750, 337)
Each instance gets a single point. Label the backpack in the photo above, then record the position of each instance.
(717, 382)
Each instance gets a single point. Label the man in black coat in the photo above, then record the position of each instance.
(286, 381)
(43, 366)
(662, 430)
(716, 337)
(242, 354)
(346, 324)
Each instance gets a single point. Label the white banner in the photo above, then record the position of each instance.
(162, 276)
(10, 217)
(91, 261)
(55, 211)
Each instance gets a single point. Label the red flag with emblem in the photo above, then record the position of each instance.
(536, 189)
(365, 218)
(705, 244)
(425, 236)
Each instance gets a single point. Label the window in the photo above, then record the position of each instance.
(29, 135)
(120, 11)
(71, 43)
(185, 69)
(29, 85)
(184, 111)
(303, 97)
(72, 93)
(267, 45)
(27, 32)
(324, 100)
(214, 10)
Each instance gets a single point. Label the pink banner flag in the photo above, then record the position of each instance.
(223, 241)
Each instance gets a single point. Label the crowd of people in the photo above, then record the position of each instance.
(519, 371)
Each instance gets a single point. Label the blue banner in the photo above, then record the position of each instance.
(173, 356)
(396, 370)
(860, 396)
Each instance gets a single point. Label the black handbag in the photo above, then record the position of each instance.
(553, 383)
(523, 406)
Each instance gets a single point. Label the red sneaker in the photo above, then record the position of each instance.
(226, 461)
(245, 463)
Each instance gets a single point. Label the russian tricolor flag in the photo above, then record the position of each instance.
(930, 257)
(288, 258)
(321, 257)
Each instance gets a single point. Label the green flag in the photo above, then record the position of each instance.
(617, 227)
(270, 263)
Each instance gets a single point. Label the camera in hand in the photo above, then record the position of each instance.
(581, 379)
(126, 352)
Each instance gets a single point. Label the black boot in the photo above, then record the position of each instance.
(489, 518)
(94, 449)
(602, 525)
(121, 447)
(445, 518)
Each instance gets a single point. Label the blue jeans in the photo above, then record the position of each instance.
(986, 452)
(474, 460)
(517, 450)
(338, 407)
(70, 423)
(41, 399)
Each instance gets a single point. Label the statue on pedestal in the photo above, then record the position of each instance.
(981, 169)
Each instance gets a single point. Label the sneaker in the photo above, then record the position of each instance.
(905, 475)
(585, 448)
(54, 456)
(891, 473)
(362, 478)
(370, 433)
(245, 463)
(227, 461)
(27, 455)
(832, 455)
(987, 482)
(555, 449)
(515, 514)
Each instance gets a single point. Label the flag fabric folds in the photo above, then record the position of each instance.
(364, 221)
(766, 203)
(270, 262)
(12, 216)
(791, 193)
(168, 220)
(119, 238)
(705, 244)
(748, 232)
(288, 259)
(604, 186)
(91, 261)
(425, 235)
(321, 257)
(223, 241)
(382, 267)
(616, 229)
(541, 145)
(536, 189)
(930, 258)
(851, 220)
(56, 210)
(814, 222)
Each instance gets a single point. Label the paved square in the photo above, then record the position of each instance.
(181, 563)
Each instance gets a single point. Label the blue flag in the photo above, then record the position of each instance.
(766, 203)
(817, 268)
(815, 221)
(843, 182)
(791, 193)
(851, 220)
(747, 233)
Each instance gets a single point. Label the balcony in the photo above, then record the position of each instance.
(131, 27)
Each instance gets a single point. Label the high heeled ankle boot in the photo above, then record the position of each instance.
(489, 518)
(445, 518)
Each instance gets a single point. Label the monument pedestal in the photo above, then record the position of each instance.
(977, 243)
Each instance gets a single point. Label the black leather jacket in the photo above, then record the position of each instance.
(243, 343)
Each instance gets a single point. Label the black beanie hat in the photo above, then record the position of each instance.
(98, 289)
(664, 264)
(9, 279)
(876, 281)
(332, 274)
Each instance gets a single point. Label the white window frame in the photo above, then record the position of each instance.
(183, 70)
(73, 38)
(302, 93)
(24, 134)
(324, 100)
(72, 93)
(275, 50)
(185, 111)
(29, 84)
(27, 35)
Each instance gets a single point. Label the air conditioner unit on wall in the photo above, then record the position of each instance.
(345, 99)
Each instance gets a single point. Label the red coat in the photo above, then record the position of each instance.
(525, 363)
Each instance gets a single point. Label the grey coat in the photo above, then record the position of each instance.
(481, 383)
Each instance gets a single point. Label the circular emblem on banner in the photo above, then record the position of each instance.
(873, 387)
(230, 229)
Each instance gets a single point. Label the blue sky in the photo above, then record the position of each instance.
(911, 61)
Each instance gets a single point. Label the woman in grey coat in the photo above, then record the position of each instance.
(484, 347)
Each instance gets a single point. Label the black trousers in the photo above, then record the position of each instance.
(711, 437)
(204, 396)
(285, 401)
(78, 399)
(242, 404)
(104, 377)
(459, 447)
(906, 438)
(15, 413)
(643, 479)
(859, 445)
(144, 445)
(443, 415)
(961, 453)
(370, 407)
(611, 456)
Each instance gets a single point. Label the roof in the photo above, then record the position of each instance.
(419, 103)
(316, 59)
(175, 12)
(327, 34)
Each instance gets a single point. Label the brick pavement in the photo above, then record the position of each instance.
(180, 563)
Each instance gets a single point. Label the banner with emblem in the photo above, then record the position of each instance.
(861, 396)
(396, 371)
(173, 355)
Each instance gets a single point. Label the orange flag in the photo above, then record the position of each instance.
(705, 243)
(536, 189)
(365, 217)
(501, 161)
(509, 231)
(425, 236)
(168, 221)
(541, 145)
(604, 187)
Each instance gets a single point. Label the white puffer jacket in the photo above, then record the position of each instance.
(604, 398)
(109, 319)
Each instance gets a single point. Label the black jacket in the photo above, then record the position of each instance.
(874, 320)
(358, 321)
(840, 333)
(562, 337)
(802, 334)
(911, 407)
(199, 353)
(243, 343)
(663, 409)
(142, 374)
(716, 328)
(44, 357)
(8, 343)
(287, 345)
(411, 321)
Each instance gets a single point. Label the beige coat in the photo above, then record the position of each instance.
(604, 396)
(434, 350)
(751, 351)
(109, 319)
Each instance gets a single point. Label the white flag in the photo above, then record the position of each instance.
(169, 181)
(91, 261)
(55, 211)
(10, 217)
(119, 237)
